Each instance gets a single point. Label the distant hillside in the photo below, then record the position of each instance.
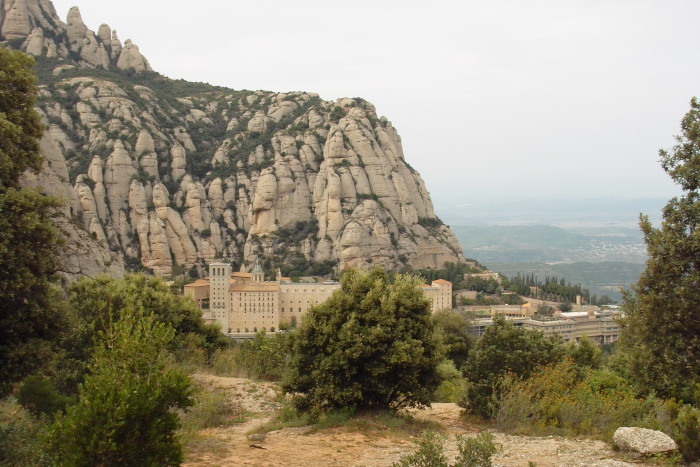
(548, 244)
(605, 278)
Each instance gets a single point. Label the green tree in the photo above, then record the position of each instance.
(661, 332)
(125, 415)
(20, 125)
(585, 353)
(30, 314)
(455, 328)
(370, 345)
(505, 349)
(97, 303)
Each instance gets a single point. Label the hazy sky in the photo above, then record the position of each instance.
(501, 98)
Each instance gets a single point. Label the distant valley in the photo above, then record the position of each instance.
(549, 244)
(602, 259)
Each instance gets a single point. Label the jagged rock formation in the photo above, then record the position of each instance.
(175, 174)
(34, 26)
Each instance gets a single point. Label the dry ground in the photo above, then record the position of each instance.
(365, 445)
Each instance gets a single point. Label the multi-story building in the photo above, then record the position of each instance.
(599, 328)
(245, 303)
(439, 292)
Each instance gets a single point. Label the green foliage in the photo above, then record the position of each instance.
(686, 432)
(453, 272)
(452, 384)
(430, 222)
(455, 328)
(476, 451)
(337, 114)
(473, 452)
(124, 415)
(30, 315)
(662, 325)
(99, 302)
(22, 440)
(585, 353)
(38, 395)
(430, 453)
(260, 358)
(562, 396)
(370, 345)
(20, 125)
(504, 349)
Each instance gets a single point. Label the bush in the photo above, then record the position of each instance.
(504, 349)
(263, 358)
(21, 441)
(125, 412)
(453, 384)
(429, 453)
(369, 346)
(473, 452)
(563, 397)
(38, 395)
(686, 432)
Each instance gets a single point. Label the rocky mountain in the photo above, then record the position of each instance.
(171, 175)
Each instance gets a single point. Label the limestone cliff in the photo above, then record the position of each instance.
(174, 175)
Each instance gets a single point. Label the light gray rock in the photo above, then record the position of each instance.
(643, 440)
(104, 33)
(130, 57)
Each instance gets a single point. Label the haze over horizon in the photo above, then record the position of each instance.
(493, 100)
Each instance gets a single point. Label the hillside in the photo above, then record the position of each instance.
(169, 175)
(604, 278)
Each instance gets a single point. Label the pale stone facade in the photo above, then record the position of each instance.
(599, 328)
(439, 292)
(245, 303)
(297, 298)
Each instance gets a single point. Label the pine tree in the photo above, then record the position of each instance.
(661, 334)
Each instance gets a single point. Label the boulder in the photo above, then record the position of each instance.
(643, 440)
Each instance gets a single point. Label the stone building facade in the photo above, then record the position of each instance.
(439, 292)
(245, 303)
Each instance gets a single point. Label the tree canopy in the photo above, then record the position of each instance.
(30, 313)
(124, 415)
(371, 345)
(97, 303)
(661, 333)
(20, 125)
(505, 349)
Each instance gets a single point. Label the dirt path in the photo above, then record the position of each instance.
(366, 446)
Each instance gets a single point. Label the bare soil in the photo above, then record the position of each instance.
(369, 444)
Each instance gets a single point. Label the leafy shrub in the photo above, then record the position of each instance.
(371, 345)
(473, 452)
(562, 396)
(502, 350)
(430, 453)
(686, 432)
(21, 440)
(477, 451)
(453, 384)
(261, 358)
(125, 412)
(38, 395)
